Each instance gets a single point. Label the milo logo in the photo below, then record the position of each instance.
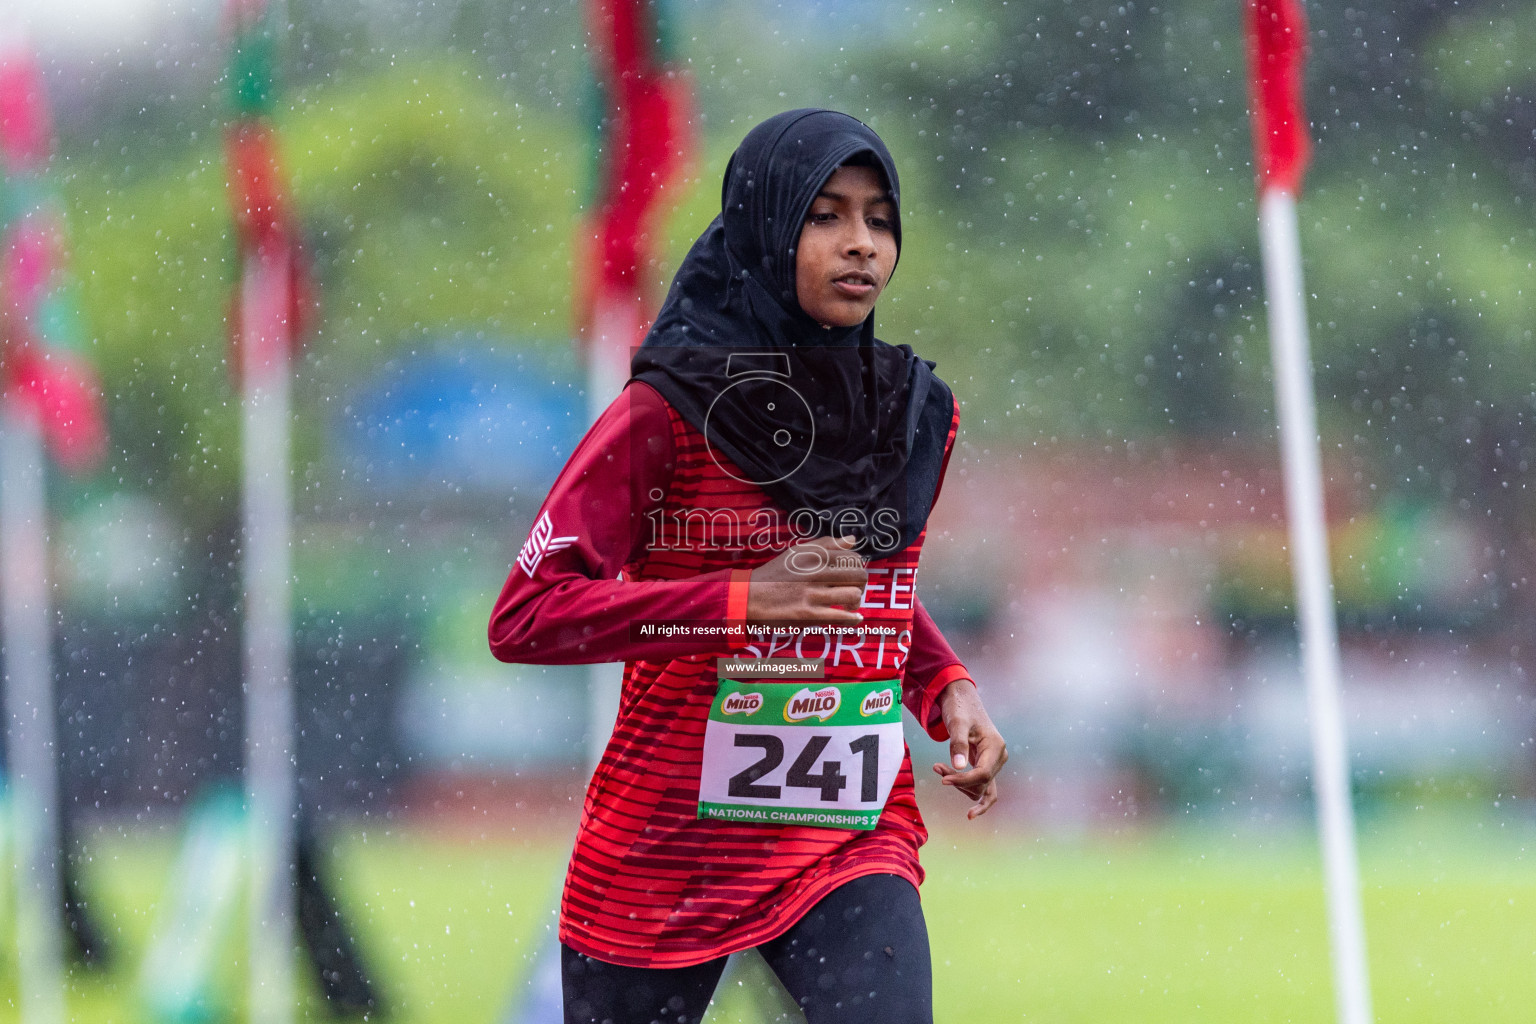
(807, 703)
(877, 703)
(741, 703)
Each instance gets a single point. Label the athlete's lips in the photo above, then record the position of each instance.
(855, 283)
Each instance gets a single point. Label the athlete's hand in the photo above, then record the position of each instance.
(976, 749)
(818, 581)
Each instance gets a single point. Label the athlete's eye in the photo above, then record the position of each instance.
(820, 216)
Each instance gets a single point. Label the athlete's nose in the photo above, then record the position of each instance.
(861, 241)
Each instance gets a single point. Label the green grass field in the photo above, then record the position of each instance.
(1170, 924)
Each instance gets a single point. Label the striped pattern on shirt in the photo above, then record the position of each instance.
(652, 885)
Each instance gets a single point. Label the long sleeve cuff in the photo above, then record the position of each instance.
(929, 712)
(736, 607)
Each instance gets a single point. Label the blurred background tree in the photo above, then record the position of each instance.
(1081, 251)
(1081, 256)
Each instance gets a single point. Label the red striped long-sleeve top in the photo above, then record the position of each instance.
(647, 524)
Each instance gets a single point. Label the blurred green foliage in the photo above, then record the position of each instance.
(1081, 251)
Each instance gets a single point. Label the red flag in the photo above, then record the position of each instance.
(30, 258)
(57, 387)
(24, 128)
(39, 373)
(256, 186)
(60, 392)
(646, 150)
(1277, 39)
(264, 229)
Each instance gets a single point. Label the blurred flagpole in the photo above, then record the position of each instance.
(266, 501)
(645, 138)
(25, 615)
(30, 709)
(1276, 42)
(269, 303)
(50, 403)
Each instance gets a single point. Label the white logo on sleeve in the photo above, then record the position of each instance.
(541, 541)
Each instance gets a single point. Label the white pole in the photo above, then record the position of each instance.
(1299, 442)
(25, 617)
(269, 769)
(615, 326)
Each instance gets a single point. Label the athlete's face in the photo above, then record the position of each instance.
(847, 248)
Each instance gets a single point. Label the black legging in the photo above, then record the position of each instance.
(861, 954)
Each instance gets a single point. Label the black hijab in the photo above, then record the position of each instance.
(844, 431)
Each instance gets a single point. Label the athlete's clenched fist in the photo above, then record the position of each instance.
(817, 581)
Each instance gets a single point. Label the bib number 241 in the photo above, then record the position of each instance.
(829, 781)
(824, 754)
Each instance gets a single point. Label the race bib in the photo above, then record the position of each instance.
(801, 753)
